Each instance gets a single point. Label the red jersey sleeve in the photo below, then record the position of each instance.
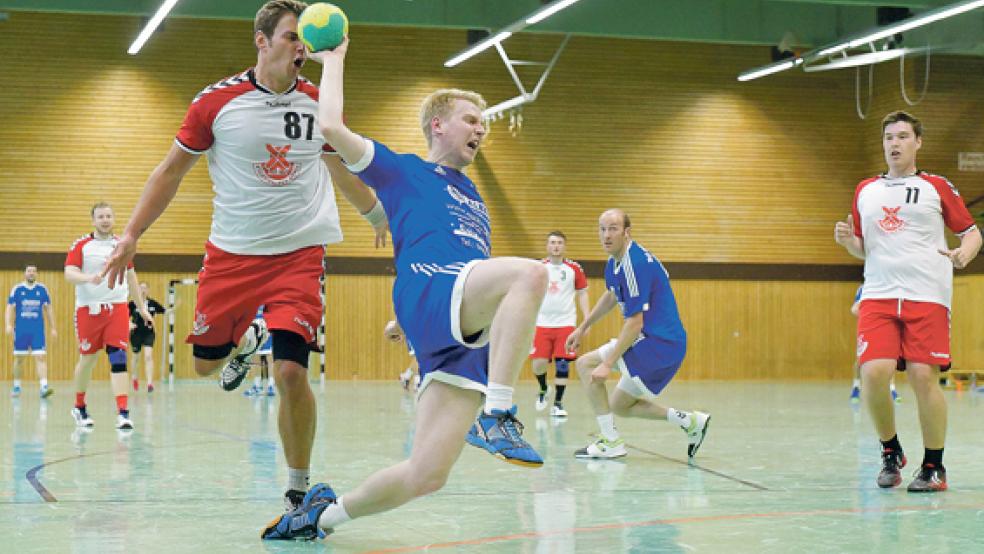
(855, 213)
(956, 216)
(580, 279)
(74, 256)
(195, 134)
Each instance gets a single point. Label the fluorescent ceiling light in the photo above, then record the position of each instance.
(866, 59)
(769, 69)
(925, 18)
(548, 10)
(151, 26)
(485, 44)
(506, 32)
(507, 105)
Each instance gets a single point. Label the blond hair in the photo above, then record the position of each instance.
(439, 102)
(98, 205)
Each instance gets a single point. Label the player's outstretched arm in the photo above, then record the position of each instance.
(359, 195)
(601, 309)
(161, 187)
(330, 101)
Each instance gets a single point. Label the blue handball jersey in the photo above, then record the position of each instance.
(435, 213)
(28, 301)
(641, 284)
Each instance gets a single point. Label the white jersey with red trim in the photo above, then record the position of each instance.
(901, 223)
(89, 254)
(558, 308)
(273, 193)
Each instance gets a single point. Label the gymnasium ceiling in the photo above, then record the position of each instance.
(759, 22)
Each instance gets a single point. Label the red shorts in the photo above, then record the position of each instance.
(232, 286)
(110, 326)
(549, 342)
(904, 330)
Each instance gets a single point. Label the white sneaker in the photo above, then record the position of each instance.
(603, 448)
(558, 410)
(123, 423)
(699, 421)
(234, 372)
(405, 378)
(81, 421)
(542, 399)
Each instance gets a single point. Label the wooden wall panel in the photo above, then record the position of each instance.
(713, 170)
(737, 329)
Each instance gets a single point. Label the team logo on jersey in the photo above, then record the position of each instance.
(306, 325)
(278, 170)
(892, 221)
(85, 345)
(200, 327)
(554, 287)
(862, 345)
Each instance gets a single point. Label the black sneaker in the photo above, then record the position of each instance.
(929, 478)
(891, 472)
(293, 500)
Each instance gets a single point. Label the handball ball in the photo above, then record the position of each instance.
(322, 26)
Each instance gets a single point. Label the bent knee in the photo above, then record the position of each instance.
(427, 482)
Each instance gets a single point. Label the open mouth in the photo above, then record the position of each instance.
(473, 145)
(299, 62)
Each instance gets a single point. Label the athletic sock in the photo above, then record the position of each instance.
(80, 400)
(334, 515)
(498, 397)
(607, 425)
(933, 456)
(682, 419)
(298, 479)
(559, 395)
(542, 379)
(893, 444)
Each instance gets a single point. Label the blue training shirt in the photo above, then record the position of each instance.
(28, 301)
(641, 284)
(436, 216)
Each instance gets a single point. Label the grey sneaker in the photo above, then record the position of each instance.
(891, 472)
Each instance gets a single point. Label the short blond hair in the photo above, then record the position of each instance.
(439, 102)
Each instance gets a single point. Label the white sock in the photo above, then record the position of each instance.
(498, 397)
(270, 382)
(258, 382)
(857, 384)
(607, 425)
(333, 515)
(682, 419)
(17, 382)
(44, 383)
(298, 479)
(891, 386)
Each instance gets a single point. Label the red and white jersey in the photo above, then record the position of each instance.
(558, 308)
(901, 222)
(89, 254)
(273, 194)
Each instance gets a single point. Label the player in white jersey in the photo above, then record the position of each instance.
(274, 212)
(557, 318)
(102, 319)
(410, 377)
(896, 227)
(27, 306)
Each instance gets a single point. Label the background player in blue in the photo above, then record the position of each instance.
(26, 306)
(469, 317)
(648, 351)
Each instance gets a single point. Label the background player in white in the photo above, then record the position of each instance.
(142, 338)
(896, 227)
(262, 364)
(27, 306)
(647, 352)
(470, 317)
(274, 212)
(566, 283)
(101, 314)
(410, 377)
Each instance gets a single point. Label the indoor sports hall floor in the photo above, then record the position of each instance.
(787, 467)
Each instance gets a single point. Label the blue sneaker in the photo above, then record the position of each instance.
(501, 435)
(271, 391)
(253, 391)
(855, 395)
(302, 522)
(46, 392)
(895, 397)
(15, 392)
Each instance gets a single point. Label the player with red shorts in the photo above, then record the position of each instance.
(274, 212)
(556, 320)
(102, 318)
(896, 227)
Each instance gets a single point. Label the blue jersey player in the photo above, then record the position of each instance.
(647, 352)
(470, 318)
(26, 307)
